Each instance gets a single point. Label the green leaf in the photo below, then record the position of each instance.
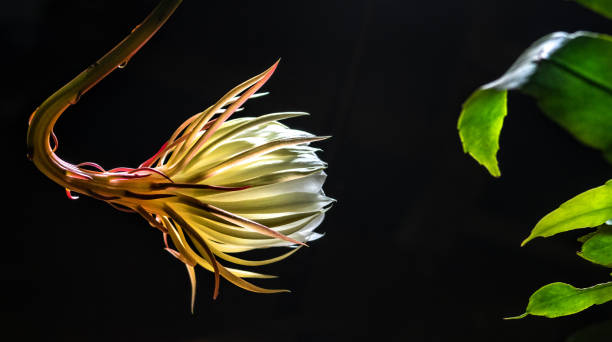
(589, 209)
(573, 87)
(480, 124)
(603, 7)
(483, 113)
(598, 247)
(570, 75)
(561, 299)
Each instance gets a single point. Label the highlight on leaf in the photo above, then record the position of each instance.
(216, 187)
(575, 94)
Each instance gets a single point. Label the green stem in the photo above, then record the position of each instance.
(44, 118)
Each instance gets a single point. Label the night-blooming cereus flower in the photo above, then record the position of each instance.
(215, 188)
(237, 185)
(218, 187)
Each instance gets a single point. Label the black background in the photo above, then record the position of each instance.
(423, 244)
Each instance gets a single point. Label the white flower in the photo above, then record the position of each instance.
(237, 185)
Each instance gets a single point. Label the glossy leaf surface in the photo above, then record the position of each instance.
(561, 299)
(574, 88)
(589, 209)
(570, 75)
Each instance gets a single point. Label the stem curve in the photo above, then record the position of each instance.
(44, 117)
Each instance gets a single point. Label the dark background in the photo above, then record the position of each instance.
(423, 244)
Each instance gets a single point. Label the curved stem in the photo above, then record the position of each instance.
(44, 117)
